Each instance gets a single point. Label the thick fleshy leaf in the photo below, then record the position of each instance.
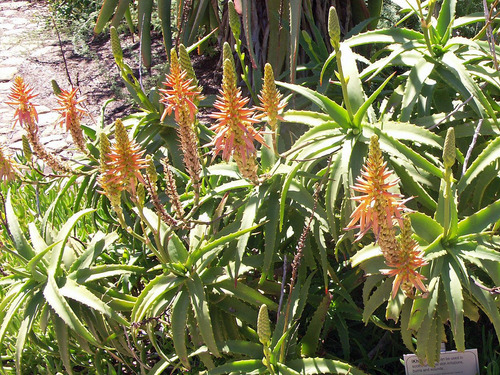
(201, 312)
(334, 110)
(452, 287)
(487, 156)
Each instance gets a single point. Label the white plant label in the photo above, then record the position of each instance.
(450, 363)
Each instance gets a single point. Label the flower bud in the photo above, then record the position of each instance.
(115, 45)
(234, 20)
(264, 326)
(28, 153)
(333, 27)
(449, 148)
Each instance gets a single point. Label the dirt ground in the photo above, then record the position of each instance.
(96, 74)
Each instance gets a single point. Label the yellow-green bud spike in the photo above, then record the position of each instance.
(229, 75)
(28, 153)
(449, 149)
(116, 47)
(151, 170)
(264, 326)
(141, 194)
(186, 63)
(334, 27)
(55, 87)
(104, 150)
(174, 60)
(121, 136)
(234, 20)
(227, 53)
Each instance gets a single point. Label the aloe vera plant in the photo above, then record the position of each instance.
(56, 280)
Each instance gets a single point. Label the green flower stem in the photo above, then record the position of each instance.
(244, 69)
(447, 202)
(426, 24)
(343, 84)
(161, 255)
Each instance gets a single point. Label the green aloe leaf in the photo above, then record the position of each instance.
(414, 84)
(355, 91)
(245, 293)
(446, 17)
(363, 108)
(65, 312)
(480, 220)
(487, 156)
(406, 332)
(201, 312)
(14, 301)
(488, 305)
(311, 366)
(250, 349)
(378, 297)
(243, 366)
(23, 248)
(87, 275)
(335, 111)
(271, 234)
(62, 238)
(178, 320)
(425, 227)
(62, 337)
(456, 74)
(311, 338)
(218, 243)
(30, 314)
(144, 11)
(452, 287)
(392, 35)
(308, 118)
(153, 293)
(107, 10)
(72, 290)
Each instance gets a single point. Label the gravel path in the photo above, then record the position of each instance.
(23, 37)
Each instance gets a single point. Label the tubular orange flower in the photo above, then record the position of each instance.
(125, 161)
(234, 132)
(180, 91)
(21, 95)
(71, 114)
(373, 183)
(405, 265)
(182, 98)
(377, 210)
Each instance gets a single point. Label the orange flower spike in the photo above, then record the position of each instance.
(71, 112)
(71, 115)
(125, 160)
(180, 91)
(234, 132)
(405, 265)
(21, 95)
(373, 183)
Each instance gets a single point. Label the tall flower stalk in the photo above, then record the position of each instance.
(271, 103)
(379, 209)
(71, 115)
(234, 131)
(21, 96)
(181, 96)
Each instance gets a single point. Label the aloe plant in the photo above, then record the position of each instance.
(462, 258)
(57, 281)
